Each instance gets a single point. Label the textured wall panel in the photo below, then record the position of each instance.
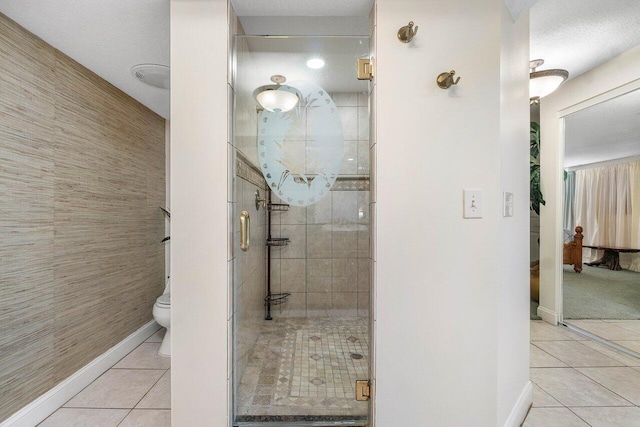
(81, 179)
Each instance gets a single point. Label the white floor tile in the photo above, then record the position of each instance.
(542, 399)
(574, 353)
(622, 381)
(543, 331)
(148, 418)
(541, 359)
(159, 397)
(606, 330)
(144, 357)
(80, 417)
(613, 353)
(116, 388)
(553, 417)
(571, 388)
(158, 336)
(610, 417)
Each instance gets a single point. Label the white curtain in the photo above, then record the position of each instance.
(607, 206)
(569, 199)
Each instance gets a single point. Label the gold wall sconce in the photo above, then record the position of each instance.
(406, 33)
(446, 80)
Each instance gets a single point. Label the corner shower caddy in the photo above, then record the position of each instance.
(272, 298)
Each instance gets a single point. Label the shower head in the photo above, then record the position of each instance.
(277, 97)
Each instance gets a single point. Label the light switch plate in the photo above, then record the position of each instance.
(472, 200)
(507, 205)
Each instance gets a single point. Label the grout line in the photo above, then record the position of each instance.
(583, 420)
(601, 341)
(544, 351)
(594, 381)
(125, 417)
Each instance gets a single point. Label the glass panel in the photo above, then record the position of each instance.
(301, 365)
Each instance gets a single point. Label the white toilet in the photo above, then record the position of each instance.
(162, 315)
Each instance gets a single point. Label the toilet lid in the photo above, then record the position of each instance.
(164, 299)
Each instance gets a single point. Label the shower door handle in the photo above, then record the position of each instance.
(245, 230)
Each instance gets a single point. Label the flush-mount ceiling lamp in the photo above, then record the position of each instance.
(277, 97)
(542, 83)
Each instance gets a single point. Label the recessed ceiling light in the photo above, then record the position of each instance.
(152, 74)
(315, 63)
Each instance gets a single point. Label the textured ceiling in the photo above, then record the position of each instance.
(106, 36)
(606, 131)
(577, 35)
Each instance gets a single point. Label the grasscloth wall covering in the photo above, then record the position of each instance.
(81, 179)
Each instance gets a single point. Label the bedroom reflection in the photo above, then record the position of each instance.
(601, 271)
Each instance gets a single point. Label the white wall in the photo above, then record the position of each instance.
(587, 89)
(514, 294)
(446, 284)
(199, 43)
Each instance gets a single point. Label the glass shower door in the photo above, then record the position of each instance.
(302, 288)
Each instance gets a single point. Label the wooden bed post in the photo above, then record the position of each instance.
(577, 260)
(572, 251)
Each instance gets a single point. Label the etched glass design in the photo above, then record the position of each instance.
(300, 151)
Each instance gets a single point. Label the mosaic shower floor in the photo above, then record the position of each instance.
(306, 367)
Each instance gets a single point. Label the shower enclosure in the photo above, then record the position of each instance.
(301, 252)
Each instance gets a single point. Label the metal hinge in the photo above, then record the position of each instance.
(365, 69)
(363, 390)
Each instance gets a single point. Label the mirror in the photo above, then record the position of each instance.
(601, 222)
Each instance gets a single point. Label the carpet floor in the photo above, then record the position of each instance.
(533, 310)
(599, 293)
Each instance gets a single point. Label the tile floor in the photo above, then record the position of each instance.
(625, 333)
(580, 382)
(136, 391)
(305, 367)
(576, 382)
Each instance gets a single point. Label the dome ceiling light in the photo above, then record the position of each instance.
(278, 97)
(542, 83)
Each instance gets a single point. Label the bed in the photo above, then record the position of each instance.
(572, 251)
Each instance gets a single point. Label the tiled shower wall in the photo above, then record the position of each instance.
(82, 177)
(326, 267)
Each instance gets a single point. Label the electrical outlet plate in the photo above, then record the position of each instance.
(473, 203)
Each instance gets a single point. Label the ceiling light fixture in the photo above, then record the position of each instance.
(315, 63)
(152, 74)
(277, 98)
(542, 83)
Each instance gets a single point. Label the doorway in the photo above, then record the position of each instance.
(601, 287)
(301, 279)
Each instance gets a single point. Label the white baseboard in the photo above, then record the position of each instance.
(45, 405)
(548, 315)
(521, 408)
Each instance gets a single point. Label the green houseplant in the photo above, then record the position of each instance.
(535, 194)
(535, 198)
